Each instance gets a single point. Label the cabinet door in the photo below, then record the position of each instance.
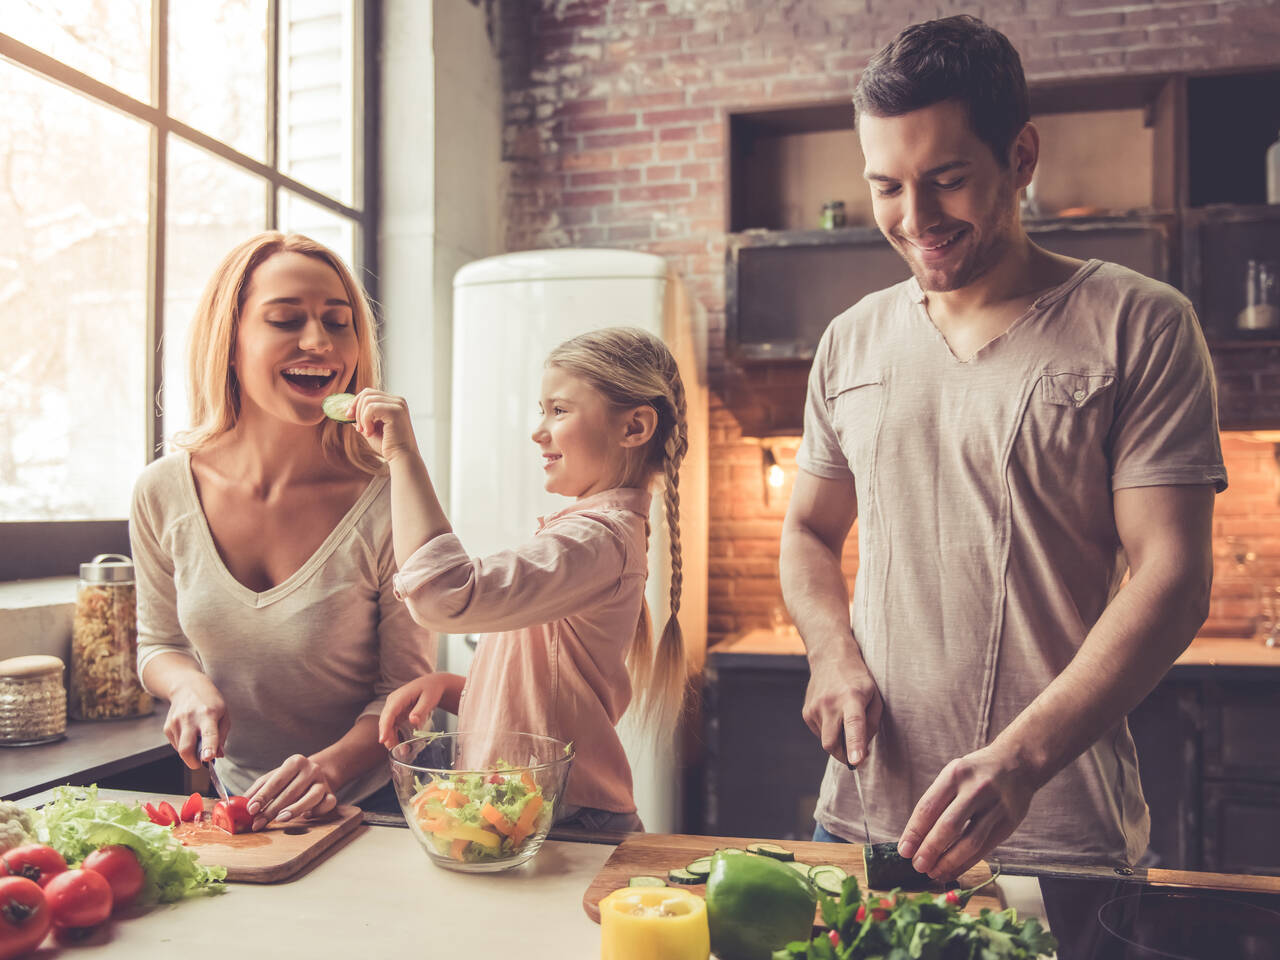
(763, 765)
(1166, 730)
(1242, 827)
(1242, 730)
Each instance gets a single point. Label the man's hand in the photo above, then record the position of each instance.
(970, 809)
(842, 706)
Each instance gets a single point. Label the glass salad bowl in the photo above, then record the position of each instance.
(480, 801)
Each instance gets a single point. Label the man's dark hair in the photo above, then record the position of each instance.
(956, 58)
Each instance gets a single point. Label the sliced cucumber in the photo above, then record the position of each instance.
(336, 406)
(700, 867)
(828, 878)
(771, 850)
(647, 882)
(684, 877)
(800, 867)
(728, 850)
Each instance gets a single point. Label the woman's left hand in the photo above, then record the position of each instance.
(298, 787)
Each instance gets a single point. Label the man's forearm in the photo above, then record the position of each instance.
(1131, 647)
(814, 589)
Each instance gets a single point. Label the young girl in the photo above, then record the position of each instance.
(566, 629)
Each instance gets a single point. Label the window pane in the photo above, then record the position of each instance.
(218, 70)
(317, 95)
(73, 279)
(212, 207)
(338, 233)
(110, 42)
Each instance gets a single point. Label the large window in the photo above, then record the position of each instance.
(139, 141)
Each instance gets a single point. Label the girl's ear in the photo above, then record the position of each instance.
(638, 426)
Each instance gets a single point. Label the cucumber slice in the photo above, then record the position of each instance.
(771, 850)
(728, 850)
(886, 868)
(684, 877)
(337, 405)
(800, 867)
(647, 882)
(828, 878)
(700, 867)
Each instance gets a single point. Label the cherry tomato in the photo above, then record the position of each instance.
(153, 814)
(166, 811)
(35, 861)
(953, 897)
(119, 866)
(79, 898)
(834, 937)
(193, 808)
(24, 916)
(861, 914)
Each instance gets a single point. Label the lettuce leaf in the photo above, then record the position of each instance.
(76, 822)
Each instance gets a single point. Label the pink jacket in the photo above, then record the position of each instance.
(557, 616)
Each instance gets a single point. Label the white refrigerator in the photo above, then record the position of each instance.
(509, 311)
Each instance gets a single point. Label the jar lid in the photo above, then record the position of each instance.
(34, 665)
(107, 568)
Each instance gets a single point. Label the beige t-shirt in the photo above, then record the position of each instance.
(557, 615)
(986, 538)
(297, 664)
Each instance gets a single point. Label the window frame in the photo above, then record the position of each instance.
(47, 548)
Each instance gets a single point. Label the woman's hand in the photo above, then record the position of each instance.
(415, 700)
(384, 421)
(298, 787)
(197, 718)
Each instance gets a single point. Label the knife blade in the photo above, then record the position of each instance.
(857, 781)
(216, 781)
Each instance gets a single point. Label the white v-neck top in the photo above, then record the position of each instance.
(297, 664)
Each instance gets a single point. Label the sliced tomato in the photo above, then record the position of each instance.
(193, 808)
(153, 814)
(35, 861)
(119, 866)
(24, 916)
(233, 815)
(166, 810)
(221, 818)
(79, 898)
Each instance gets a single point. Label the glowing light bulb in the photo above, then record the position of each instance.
(776, 477)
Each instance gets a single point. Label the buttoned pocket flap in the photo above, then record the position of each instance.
(1074, 389)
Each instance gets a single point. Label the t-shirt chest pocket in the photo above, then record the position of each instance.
(855, 410)
(1070, 413)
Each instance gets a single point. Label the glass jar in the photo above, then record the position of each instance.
(33, 703)
(104, 643)
(833, 215)
(1261, 297)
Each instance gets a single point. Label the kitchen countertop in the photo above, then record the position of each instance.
(379, 895)
(1220, 652)
(91, 750)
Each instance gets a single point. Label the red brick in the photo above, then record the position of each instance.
(646, 101)
(654, 192)
(631, 138)
(686, 115)
(599, 177)
(580, 198)
(602, 121)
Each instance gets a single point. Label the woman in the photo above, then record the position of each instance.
(266, 612)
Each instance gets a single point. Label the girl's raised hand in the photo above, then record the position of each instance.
(384, 421)
(415, 701)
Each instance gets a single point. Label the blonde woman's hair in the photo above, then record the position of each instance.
(215, 391)
(631, 367)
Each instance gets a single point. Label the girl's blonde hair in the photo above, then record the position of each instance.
(631, 367)
(215, 392)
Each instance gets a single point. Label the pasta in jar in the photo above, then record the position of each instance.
(104, 643)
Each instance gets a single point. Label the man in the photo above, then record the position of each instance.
(1013, 430)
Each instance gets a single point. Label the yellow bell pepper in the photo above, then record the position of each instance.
(654, 923)
(464, 831)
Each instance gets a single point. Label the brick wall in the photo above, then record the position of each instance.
(617, 139)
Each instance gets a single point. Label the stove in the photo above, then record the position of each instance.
(1130, 920)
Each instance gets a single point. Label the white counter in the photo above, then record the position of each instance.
(376, 897)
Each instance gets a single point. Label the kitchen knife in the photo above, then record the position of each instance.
(857, 781)
(216, 781)
(1158, 876)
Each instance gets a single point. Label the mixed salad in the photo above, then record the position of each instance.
(472, 817)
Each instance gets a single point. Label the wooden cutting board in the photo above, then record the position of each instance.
(280, 852)
(653, 854)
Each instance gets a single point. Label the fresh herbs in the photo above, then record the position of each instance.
(923, 926)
